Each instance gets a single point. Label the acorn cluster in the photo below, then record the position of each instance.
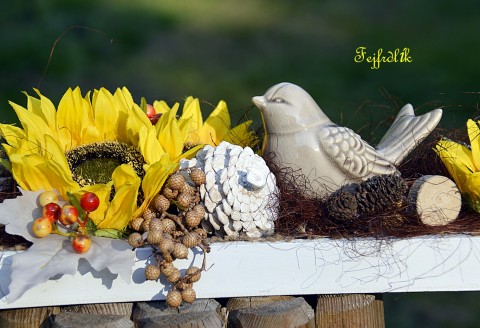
(171, 225)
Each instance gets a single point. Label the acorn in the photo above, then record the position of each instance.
(152, 272)
(198, 176)
(176, 181)
(188, 295)
(135, 240)
(174, 299)
(161, 203)
(180, 251)
(136, 224)
(191, 239)
(194, 274)
(192, 219)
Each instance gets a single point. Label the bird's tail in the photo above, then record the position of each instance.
(406, 132)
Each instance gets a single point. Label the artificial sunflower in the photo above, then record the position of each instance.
(463, 163)
(93, 143)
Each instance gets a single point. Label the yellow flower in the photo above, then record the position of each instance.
(38, 151)
(463, 163)
(215, 129)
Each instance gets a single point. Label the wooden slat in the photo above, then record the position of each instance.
(322, 266)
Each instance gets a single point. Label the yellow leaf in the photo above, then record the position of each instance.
(124, 203)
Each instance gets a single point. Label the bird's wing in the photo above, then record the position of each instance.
(348, 151)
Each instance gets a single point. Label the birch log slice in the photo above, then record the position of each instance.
(435, 199)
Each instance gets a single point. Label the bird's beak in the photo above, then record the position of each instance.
(259, 101)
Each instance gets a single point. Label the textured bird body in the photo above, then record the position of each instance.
(299, 135)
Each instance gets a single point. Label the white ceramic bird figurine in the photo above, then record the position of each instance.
(299, 135)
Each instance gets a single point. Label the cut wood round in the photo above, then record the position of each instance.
(201, 313)
(350, 310)
(25, 318)
(435, 199)
(289, 312)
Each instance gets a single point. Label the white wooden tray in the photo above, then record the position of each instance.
(320, 266)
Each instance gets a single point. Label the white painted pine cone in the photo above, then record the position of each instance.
(240, 194)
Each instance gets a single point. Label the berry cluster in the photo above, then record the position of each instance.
(66, 215)
(172, 226)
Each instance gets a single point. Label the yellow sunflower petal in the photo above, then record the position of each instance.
(13, 135)
(123, 102)
(167, 118)
(161, 106)
(472, 186)
(150, 147)
(217, 124)
(191, 110)
(171, 139)
(457, 159)
(34, 172)
(106, 114)
(73, 116)
(241, 135)
(154, 179)
(135, 122)
(474, 136)
(103, 192)
(33, 125)
(124, 203)
(48, 112)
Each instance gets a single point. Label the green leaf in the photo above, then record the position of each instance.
(6, 164)
(108, 233)
(143, 104)
(74, 201)
(90, 226)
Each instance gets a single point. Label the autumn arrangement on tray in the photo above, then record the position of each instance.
(100, 175)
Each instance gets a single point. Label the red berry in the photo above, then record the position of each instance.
(152, 114)
(47, 197)
(42, 227)
(89, 201)
(51, 211)
(81, 244)
(68, 215)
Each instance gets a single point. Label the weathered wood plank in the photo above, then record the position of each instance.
(27, 318)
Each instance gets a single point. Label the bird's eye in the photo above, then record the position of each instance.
(278, 100)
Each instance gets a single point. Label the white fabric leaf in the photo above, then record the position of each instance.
(53, 255)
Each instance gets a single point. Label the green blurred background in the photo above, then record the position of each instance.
(234, 50)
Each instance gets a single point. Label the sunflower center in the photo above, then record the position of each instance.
(95, 163)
